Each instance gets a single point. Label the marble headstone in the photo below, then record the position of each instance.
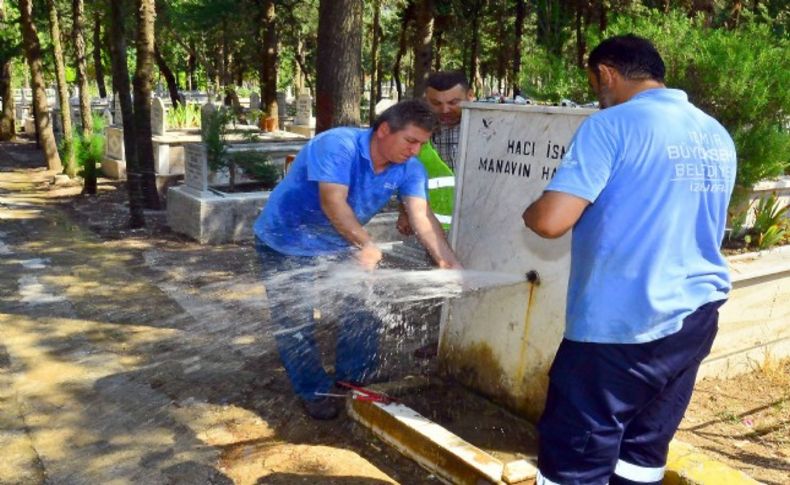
(196, 167)
(106, 117)
(158, 120)
(383, 104)
(508, 154)
(281, 102)
(304, 109)
(255, 100)
(117, 114)
(205, 111)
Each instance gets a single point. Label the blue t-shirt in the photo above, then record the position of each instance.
(292, 221)
(645, 253)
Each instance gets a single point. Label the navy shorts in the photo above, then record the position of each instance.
(612, 409)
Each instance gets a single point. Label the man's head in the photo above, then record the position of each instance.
(444, 92)
(619, 64)
(401, 130)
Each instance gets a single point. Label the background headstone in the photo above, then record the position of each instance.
(304, 109)
(281, 106)
(255, 100)
(205, 111)
(106, 117)
(383, 104)
(117, 115)
(158, 120)
(196, 167)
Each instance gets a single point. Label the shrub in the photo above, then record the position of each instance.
(258, 166)
(89, 152)
(184, 116)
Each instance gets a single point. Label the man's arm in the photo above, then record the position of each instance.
(430, 233)
(554, 213)
(334, 203)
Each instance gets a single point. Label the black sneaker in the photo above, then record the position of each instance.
(324, 408)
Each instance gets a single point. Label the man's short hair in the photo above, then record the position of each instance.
(444, 80)
(634, 57)
(412, 111)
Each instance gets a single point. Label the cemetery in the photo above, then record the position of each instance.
(148, 323)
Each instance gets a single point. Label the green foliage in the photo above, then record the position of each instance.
(214, 131)
(258, 166)
(184, 116)
(549, 78)
(89, 150)
(769, 221)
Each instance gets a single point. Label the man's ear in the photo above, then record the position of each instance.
(470, 94)
(607, 74)
(384, 129)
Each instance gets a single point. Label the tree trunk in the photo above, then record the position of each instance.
(339, 57)
(581, 44)
(408, 13)
(120, 83)
(375, 72)
(32, 48)
(170, 78)
(192, 67)
(422, 46)
(7, 125)
(521, 12)
(63, 90)
(143, 79)
(474, 58)
(86, 119)
(98, 65)
(269, 60)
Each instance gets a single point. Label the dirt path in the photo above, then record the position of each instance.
(136, 359)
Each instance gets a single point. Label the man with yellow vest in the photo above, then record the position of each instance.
(445, 92)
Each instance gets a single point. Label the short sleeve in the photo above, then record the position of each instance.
(415, 182)
(587, 165)
(331, 160)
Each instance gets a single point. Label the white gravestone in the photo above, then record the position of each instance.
(114, 146)
(501, 341)
(158, 120)
(281, 102)
(255, 101)
(304, 110)
(383, 104)
(117, 114)
(196, 167)
(106, 117)
(205, 111)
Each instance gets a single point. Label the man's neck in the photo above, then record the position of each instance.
(632, 88)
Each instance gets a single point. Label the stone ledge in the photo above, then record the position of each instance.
(686, 465)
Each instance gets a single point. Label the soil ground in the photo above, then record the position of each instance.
(151, 361)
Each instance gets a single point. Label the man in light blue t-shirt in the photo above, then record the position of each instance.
(645, 186)
(337, 183)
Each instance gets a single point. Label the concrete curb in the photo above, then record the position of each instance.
(686, 465)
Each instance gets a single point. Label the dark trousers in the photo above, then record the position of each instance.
(292, 297)
(612, 409)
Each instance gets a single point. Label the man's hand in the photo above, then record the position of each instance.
(403, 225)
(369, 256)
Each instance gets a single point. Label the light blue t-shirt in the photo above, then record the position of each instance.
(292, 221)
(645, 253)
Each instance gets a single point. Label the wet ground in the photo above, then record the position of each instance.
(141, 357)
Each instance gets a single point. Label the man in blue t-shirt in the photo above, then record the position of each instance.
(337, 183)
(645, 186)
